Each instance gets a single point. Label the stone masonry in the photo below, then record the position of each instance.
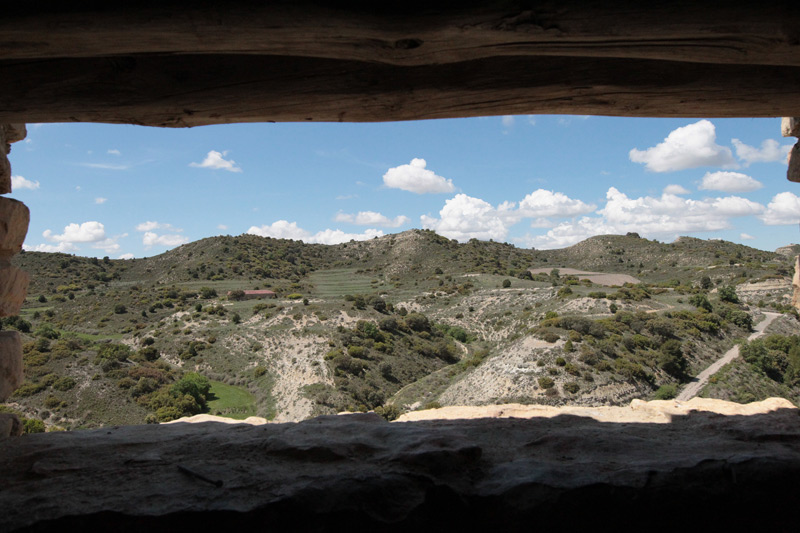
(14, 219)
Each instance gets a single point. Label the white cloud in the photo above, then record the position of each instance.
(283, 229)
(216, 160)
(542, 203)
(109, 245)
(690, 146)
(729, 182)
(100, 200)
(508, 121)
(63, 247)
(92, 231)
(105, 166)
(150, 239)
(746, 237)
(335, 236)
(222, 226)
(770, 151)
(532, 120)
(464, 217)
(346, 196)
(114, 151)
(126, 256)
(675, 189)
(371, 218)
(414, 177)
(669, 215)
(150, 225)
(18, 182)
(784, 209)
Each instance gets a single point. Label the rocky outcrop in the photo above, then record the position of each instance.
(360, 473)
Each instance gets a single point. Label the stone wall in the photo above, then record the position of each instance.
(14, 219)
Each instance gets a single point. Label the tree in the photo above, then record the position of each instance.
(207, 293)
(728, 294)
(506, 283)
(120, 309)
(195, 385)
(705, 282)
(236, 295)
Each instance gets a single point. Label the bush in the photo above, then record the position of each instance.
(64, 383)
(506, 283)
(207, 293)
(120, 309)
(236, 295)
(546, 382)
(572, 387)
(666, 392)
(294, 296)
(728, 294)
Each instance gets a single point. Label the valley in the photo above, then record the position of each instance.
(395, 324)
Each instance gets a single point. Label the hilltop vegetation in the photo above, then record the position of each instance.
(395, 323)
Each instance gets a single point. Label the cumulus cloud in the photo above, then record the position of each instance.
(222, 226)
(216, 160)
(675, 189)
(371, 218)
(464, 217)
(109, 245)
(92, 231)
(100, 200)
(18, 182)
(150, 225)
(126, 256)
(729, 182)
(542, 203)
(784, 209)
(63, 247)
(150, 239)
(283, 229)
(770, 151)
(690, 146)
(414, 177)
(669, 215)
(746, 237)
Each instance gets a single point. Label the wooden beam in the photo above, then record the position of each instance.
(410, 33)
(182, 91)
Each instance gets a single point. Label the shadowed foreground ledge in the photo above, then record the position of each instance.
(357, 472)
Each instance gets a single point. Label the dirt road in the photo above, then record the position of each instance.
(696, 385)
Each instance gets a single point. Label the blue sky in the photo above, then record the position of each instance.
(533, 181)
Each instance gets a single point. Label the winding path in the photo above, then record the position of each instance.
(696, 385)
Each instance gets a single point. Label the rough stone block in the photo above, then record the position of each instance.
(10, 363)
(790, 126)
(5, 170)
(15, 132)
(13, 289)
(14, 219)
(793, 172)
(10, 426)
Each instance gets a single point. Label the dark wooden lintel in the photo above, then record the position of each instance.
(180, 91)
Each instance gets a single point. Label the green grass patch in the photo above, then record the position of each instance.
(336, 283)
(230, 401)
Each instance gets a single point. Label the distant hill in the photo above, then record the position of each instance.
(394, 323)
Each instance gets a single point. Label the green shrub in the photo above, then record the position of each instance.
(546, 382)
(666, 392)
(572, 387)
(294, 296)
